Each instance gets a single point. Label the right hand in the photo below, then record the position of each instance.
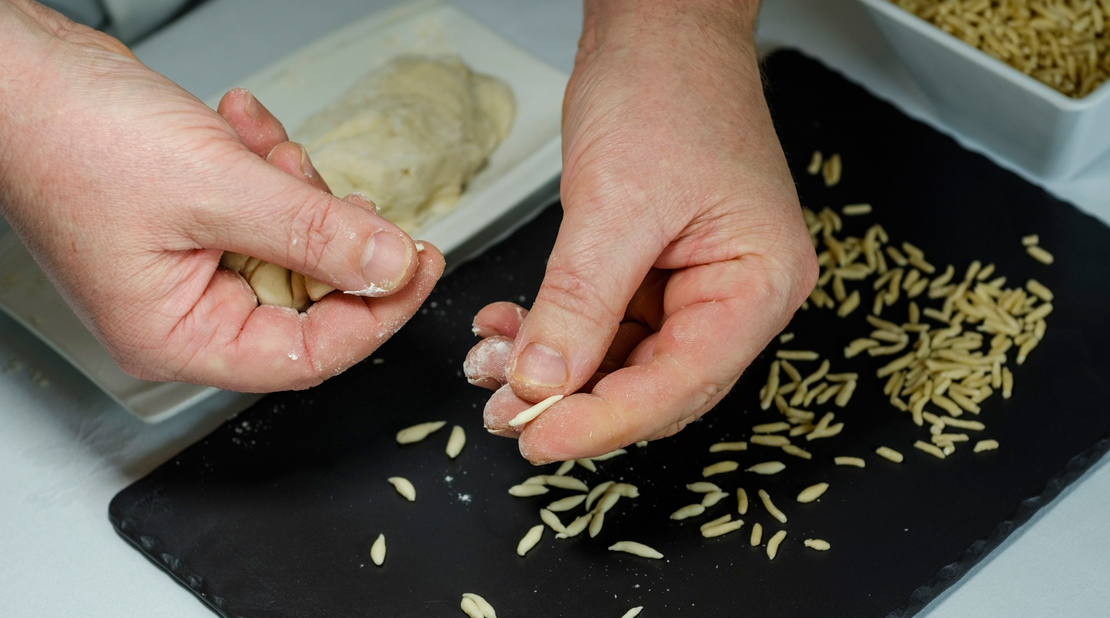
(127, 190)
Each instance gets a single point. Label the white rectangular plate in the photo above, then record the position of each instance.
(522, 175)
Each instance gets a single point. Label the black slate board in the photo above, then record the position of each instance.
(273, 515)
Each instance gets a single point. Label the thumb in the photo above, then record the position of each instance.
(595, 268)
(289, 222)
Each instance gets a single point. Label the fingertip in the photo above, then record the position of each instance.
(582, 425)
(293, 159)
(486, 363)
(257, 128)
(501, 318)
(500, 408)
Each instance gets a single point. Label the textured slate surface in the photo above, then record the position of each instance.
(273, 514)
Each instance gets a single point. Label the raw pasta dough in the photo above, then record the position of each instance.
(409, 136)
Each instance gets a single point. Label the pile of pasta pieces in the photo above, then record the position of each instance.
(944, 339)
(1063, 43)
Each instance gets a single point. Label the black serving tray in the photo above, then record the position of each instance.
(274, 513)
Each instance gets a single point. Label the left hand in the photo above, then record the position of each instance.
(682, 250)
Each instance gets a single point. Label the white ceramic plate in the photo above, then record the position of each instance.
(522, 175)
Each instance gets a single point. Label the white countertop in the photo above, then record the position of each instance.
(66, 449)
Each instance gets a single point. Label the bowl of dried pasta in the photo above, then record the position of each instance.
(1025, 78)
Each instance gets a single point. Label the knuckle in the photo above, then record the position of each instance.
(310, 231)
(576, 292)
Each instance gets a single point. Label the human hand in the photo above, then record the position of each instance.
(682, 250)
(127, 190)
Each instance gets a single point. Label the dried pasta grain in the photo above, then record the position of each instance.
(770, 506)
(713, 498)
(576, 527)
(813, 492)
(818, 544)
(856, 209)
(403, 487)
(527, 490)
(632, 613)
(552, 520)
(769, 440)
(598, 491)
(797, 451)
(728, 446)
(757, 534)
(773, 544)
(585, 463)
(771, 427)
(566, 504)
(985, 445)
(1039, 290)
(690, 510)
(831, 170)
(715, 522)
(815, 163)
(636, 549)
(535, 533)
(565, 482)
(377, 550)
(849, 461)
(531, 413)
(483, 605)
(767, 467)
(722, 529)
(1040, 254)
(931, 449)
(1030, 240)
(470, 608)
(703, 487)
(720, 468)
(456, 442)
(798, 355)
(741, 501)
(596, 523)
(888, 453)
(418, 432)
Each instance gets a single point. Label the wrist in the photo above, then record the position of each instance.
(607, 21)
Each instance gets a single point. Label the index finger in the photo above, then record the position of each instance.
(719, 317)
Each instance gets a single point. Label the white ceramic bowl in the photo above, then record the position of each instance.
(1015, 116)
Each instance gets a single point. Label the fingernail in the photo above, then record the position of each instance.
(541, 365)
(307, 169)
(362, 200)
(252, 107)
(385, 260)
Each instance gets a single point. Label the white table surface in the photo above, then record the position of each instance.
(66, 449)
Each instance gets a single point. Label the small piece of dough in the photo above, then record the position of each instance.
(456, 442)
(531, 413)
(818, 544)
(483, 605)
(470, 608)
(403, 487)
(636, 549)
(418, 432)
(768, 467)
(813, 492)
(377, 550)
(632, 613)
(535, 533)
